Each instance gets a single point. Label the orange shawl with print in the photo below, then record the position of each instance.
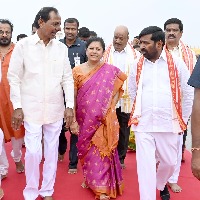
(187, 55)
(175, 89)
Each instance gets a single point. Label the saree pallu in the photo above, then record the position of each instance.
(99, 130)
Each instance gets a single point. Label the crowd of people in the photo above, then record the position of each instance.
(99, 95)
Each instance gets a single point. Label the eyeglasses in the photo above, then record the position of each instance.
(6, 32)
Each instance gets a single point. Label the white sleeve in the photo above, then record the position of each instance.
(132, 87)
(68, 82)
(14, 75)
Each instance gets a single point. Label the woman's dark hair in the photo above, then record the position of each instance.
(6, 21)
(157, 33)
(95, 39)
(44, 15)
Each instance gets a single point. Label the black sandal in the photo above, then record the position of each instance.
(165, 194)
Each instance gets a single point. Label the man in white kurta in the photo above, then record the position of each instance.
(122, 55)
(158, 127)
(39, 72)
(173, 33)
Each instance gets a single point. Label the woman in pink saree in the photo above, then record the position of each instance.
(98, 87)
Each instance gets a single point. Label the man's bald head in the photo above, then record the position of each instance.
(120, 39)
(121, 29)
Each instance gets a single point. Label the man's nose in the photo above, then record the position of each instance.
(142, 46)
(59, 28)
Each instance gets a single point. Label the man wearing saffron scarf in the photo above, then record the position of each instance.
(6, 108)
(121, 54)
(162, 106)
(173, 32)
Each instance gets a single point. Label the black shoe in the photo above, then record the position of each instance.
(165, 194)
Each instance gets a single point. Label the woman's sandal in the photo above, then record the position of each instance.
(104, 197)
(84, 185)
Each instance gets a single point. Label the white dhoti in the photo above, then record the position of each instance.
(150, 145)
(174, 177)
(33, 155)
(16, 152)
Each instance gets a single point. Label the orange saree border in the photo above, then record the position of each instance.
(87, 76)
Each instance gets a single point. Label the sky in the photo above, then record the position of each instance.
(102, 16)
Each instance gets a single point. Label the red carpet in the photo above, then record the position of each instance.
(68, 187)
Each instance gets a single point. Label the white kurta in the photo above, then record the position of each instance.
(37, 75)
(157, 97)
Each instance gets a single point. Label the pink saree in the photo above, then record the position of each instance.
(99, 130)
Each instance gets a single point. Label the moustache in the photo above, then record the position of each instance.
(173, 36)
(4, 39)
(143, 50)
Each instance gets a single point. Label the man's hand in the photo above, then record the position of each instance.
(195, 164)
(68, 116)
(17, 118)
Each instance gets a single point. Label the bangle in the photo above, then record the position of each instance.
(195, 148)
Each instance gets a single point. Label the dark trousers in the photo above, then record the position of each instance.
(73, 152)
(124, 132)
(184, 140)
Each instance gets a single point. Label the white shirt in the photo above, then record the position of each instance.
(120, 60)
(156, 105)
(37, 75)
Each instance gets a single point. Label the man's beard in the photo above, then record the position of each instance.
(5, 41)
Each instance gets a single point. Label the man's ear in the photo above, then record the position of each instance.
(40, 22)
(160, 44)
(181, 33)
